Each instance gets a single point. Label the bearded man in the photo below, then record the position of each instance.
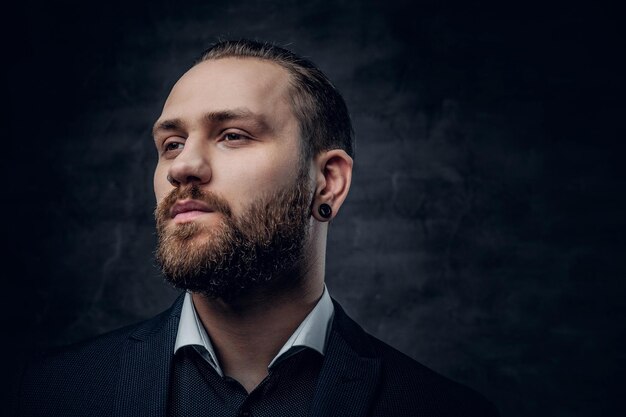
(255, 155)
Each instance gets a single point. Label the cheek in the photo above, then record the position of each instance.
(251, 179)
(160, 183)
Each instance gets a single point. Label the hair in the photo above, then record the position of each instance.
(317, 105)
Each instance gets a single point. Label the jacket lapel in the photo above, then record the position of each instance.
(350, 372)
(346, 386)
(145, 366)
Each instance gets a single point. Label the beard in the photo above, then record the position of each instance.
(259, 252)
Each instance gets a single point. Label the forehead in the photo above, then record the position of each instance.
(260, 86)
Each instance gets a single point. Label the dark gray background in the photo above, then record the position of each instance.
(484, 232)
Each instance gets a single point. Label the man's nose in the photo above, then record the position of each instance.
(191, 165)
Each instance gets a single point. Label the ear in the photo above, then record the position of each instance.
(333, 177)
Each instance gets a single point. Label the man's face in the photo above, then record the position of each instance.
(235, 212)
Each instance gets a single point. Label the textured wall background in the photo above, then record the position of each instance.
(484, 233)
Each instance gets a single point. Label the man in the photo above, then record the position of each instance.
(255, 151)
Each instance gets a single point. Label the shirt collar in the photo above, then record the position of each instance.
(191, 333)
(311, 333)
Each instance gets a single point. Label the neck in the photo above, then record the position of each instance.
(248, 335)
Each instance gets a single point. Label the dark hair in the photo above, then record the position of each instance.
(319, 108)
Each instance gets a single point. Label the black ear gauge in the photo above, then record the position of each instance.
(325, 210)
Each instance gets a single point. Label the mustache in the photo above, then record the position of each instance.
(215, 202)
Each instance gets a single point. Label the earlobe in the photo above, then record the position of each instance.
(325, 211)
(334, 175)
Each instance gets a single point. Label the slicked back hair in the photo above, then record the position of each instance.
(317, 105)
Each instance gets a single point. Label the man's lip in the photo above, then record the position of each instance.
(185, 206)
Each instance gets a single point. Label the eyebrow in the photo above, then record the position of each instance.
(221, 116)
(170, 125)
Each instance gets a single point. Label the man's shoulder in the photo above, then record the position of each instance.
(83, 354)
(406, 383)
(86, 370)
(97, 349)
(406, 387)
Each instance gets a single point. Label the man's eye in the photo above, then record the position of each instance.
(234, 137)
(172, 146)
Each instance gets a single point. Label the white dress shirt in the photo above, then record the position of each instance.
(311, 333)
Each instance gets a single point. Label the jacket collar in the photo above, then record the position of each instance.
(145, 366)
(350, 372)
(347, 381)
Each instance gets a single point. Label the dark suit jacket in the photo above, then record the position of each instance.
(126, 373)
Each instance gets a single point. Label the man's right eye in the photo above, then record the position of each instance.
(173, 146)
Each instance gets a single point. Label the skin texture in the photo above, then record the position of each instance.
(227, 127)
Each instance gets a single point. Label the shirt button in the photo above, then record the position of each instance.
(245, 413)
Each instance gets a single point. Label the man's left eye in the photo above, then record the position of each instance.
(233, 136)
